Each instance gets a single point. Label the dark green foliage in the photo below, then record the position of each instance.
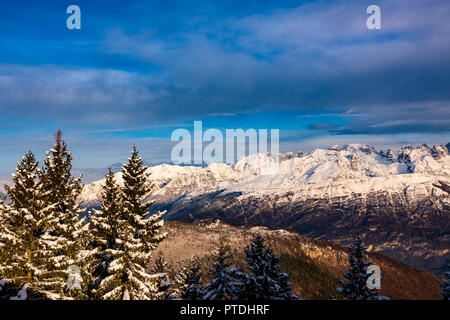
(24, 194)
(60, 188)
(188, 280)
(310, 278)
(313, 280)
(225, 284)
(135, 188)
(125, 275)
(106, 226)
(265, 280)
(354, 287)
(66, 235)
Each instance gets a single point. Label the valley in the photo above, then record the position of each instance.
(329, 194)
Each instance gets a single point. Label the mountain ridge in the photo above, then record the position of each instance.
(332, 194)
(313, 265)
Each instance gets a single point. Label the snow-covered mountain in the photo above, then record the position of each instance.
(388, 198)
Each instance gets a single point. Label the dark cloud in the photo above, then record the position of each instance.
(395, 127)
(322, 126)
(319, 56)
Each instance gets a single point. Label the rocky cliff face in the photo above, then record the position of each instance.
(388, 198)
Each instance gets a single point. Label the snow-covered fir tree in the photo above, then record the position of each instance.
(354, 287)
(265, 280)
(161, 271)
(446, 284)
(225, 284)
(23, 226)
(136, 187)
(66, 234)
(128, 278)
(107, 227)
(163, 284)
(188, 279)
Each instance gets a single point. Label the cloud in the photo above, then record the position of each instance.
(427, 117)
(319, 56)
(316, 58)
(80, 96)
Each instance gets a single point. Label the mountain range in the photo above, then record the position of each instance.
(388, 198)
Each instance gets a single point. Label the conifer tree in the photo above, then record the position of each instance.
(65, 236)
(355, 286)
(23, 225)
(265, 281)
(24, 194)
(446, 284)
(107, 227)
(161, 274)
(135, 188)
(190, 286)
(163, 283)
(225, 284)
(128, 278)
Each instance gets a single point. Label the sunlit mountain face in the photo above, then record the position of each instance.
(392, 199)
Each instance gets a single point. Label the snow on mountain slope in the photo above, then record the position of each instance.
(388, 199)
(322, 173)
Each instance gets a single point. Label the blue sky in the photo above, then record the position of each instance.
(137, 70)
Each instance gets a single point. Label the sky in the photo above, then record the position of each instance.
(137, 70)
